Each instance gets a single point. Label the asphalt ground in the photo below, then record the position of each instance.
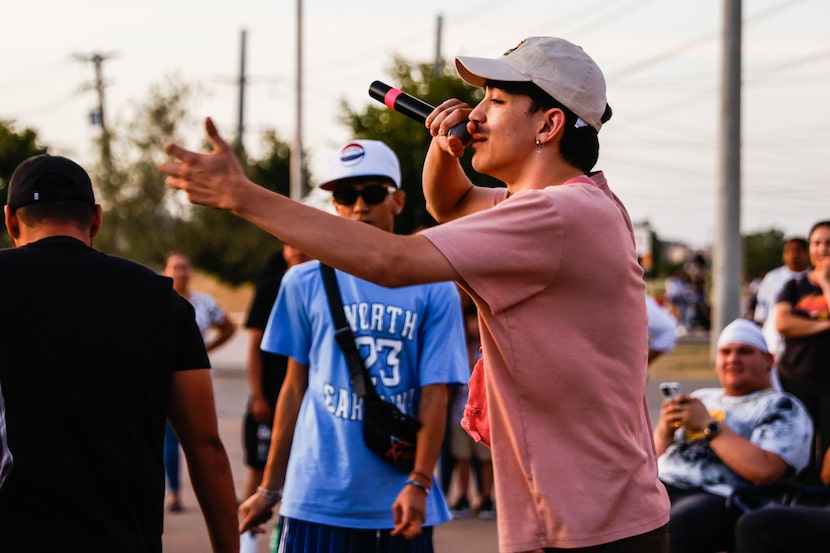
(185, 532)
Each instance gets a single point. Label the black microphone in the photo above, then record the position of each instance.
(414, 108)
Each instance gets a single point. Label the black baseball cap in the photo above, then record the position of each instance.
(46, 178)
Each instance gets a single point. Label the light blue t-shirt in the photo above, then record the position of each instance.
(774, 421)
(410, 337)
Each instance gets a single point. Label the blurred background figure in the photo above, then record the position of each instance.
(266, 373)
(796, 263)
(803, 319)
(679, 300)
(216, 329)
(464, 450)
(662, 330)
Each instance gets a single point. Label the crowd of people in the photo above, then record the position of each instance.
(482, 331)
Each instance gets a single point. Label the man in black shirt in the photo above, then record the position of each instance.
(95, 348)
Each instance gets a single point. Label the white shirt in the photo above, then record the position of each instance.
(767, 296)
(662, 327)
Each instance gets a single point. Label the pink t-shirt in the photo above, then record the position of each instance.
(555, 276)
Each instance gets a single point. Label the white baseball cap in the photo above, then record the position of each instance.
(558, 67)
(364, 158)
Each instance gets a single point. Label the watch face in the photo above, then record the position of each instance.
(712, 430)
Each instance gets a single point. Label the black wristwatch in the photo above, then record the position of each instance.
(712, 429)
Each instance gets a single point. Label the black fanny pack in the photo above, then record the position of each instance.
(387, 431)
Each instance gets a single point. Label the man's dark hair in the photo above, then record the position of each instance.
(579, 146)
(798, 240)
(77, 213)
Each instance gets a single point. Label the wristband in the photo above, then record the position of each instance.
(271, 496)
(418, 485)
(422, 475)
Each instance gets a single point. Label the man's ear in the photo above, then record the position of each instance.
(95, 224)
(12, 222)
(553, 125)
(399, 197)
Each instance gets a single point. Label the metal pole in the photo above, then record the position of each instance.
(439, 31)
(240, 125)
(296, 185)
(728, 256)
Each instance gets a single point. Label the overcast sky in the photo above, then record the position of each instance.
(662, 62)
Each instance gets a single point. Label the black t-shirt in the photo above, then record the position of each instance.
(273, 365)
(89, 343)
(807, 355)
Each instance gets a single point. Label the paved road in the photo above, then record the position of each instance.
(185, 532)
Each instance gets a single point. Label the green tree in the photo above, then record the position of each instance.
(228, 247)
(15, 147)
(142, 217)
(762, 251)
(407, 138)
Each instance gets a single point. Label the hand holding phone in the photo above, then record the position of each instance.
(670, 390)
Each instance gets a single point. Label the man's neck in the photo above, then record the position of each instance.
(33, 234)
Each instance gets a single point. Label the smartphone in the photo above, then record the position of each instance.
(670, 390)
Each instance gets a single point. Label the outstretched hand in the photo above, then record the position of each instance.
(214, 179)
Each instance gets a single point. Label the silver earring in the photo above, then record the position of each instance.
(538, 147)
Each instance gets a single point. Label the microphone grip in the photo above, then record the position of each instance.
(414, 108)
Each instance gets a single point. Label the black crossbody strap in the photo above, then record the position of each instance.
(361, 381)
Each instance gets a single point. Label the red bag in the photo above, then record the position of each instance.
(475, 420)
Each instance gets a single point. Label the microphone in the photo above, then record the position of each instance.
(414, 108)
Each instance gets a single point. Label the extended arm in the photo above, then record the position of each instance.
(193, 416)
(217, 180)
(257, 509)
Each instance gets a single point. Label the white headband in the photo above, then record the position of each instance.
(743, 331)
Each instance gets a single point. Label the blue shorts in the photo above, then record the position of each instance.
(299, 536)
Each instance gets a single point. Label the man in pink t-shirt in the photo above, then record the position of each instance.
(549, 261)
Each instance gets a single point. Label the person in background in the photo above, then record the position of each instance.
(662, 330)
(337, 495)
(716, 439)
(519, 252)
(787, 529)
(216, 329)
(5, 454)
(462, 447)
(803, 318)
(95, 349)
(796, 264)
(266, 372)
(679, 297)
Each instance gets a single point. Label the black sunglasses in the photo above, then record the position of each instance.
(372, 194)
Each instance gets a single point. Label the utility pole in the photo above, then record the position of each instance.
(240, 125)
(727, 252)
(439, 31)
(296, 184)
(97, 116)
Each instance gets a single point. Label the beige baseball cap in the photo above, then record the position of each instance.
(558, 67)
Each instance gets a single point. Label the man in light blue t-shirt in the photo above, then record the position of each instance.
(332, 487)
